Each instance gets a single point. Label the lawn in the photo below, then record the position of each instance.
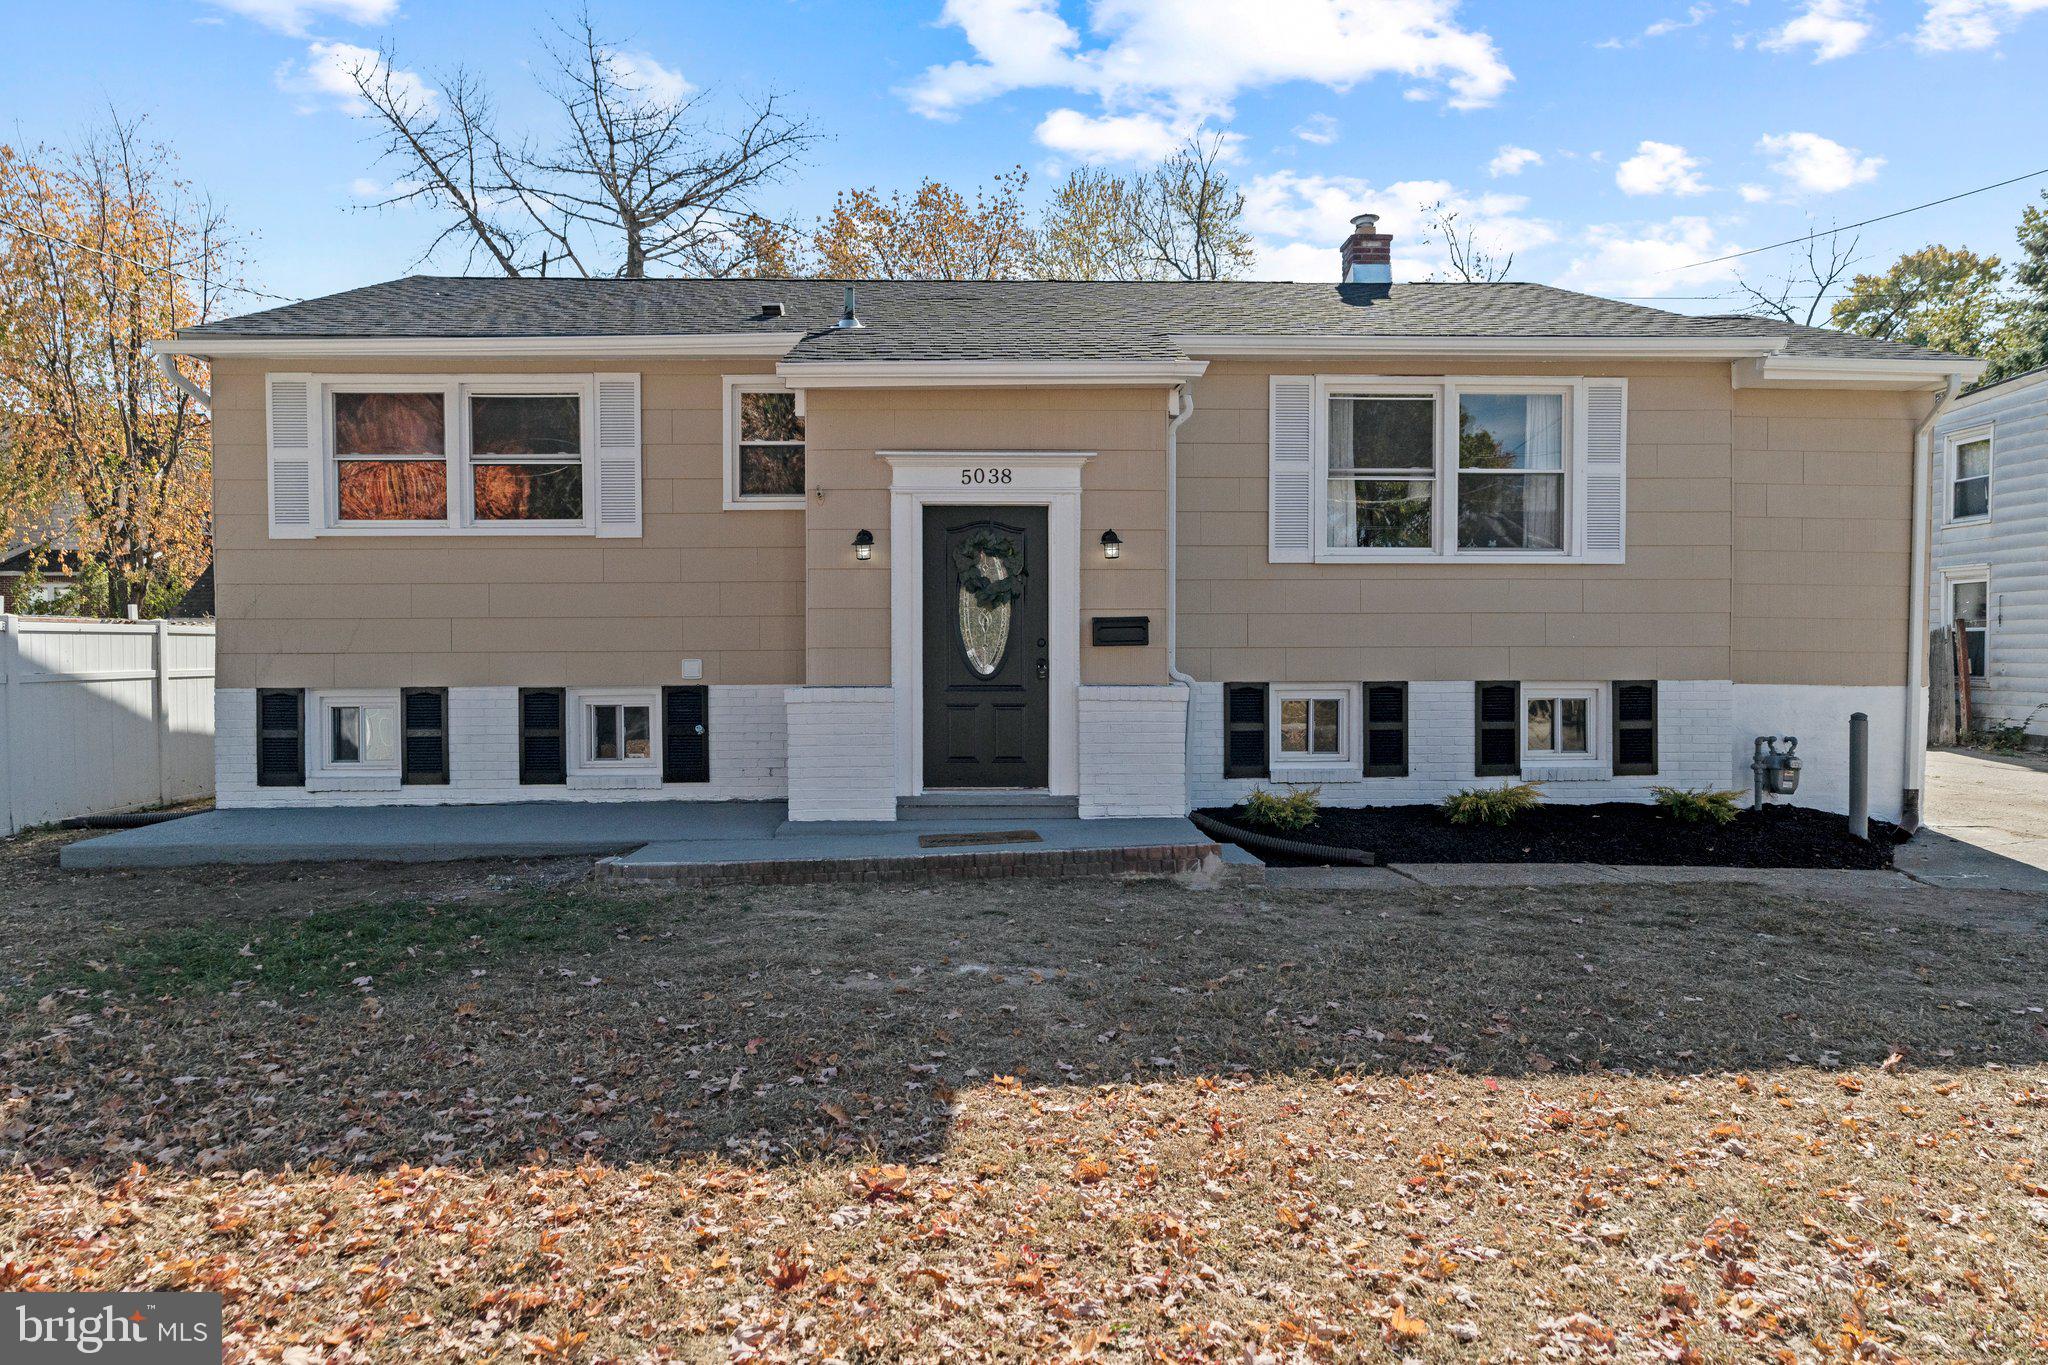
(494, 1110)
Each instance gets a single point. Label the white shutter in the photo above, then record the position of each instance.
(294, 448)
(1290, 470)
(618, 454)
(1603, 469)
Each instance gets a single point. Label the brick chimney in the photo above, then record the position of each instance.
(1367, 256)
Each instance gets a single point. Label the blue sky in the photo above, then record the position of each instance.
(1603, 142)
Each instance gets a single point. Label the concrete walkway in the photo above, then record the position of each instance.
(1987, 823)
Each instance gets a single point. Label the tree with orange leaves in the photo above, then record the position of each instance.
(103, 249)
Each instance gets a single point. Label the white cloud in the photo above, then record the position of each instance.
(1755, 194)
(1320, 129)
(1660, 168)
(1112, 137)
(1512, 160)
(1695, 15)
(649, 78)
(324, 80)
(1300, 220)
(1966, 25)
(1642, 259)
(293, 16)
(1183, 61)
(1832, 28)
(1813, 164)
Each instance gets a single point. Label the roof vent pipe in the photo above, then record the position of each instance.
(1367, 255)
(848, 317)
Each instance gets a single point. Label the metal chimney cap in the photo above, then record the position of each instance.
(1366, 222)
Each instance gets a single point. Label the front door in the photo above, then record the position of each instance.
(985, 635)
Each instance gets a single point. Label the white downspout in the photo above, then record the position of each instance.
(1180, 405)
(169, 365)
(1916, 599)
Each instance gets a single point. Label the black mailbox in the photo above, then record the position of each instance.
(1122, 630)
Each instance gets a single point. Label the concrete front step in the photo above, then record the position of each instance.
(987, 805)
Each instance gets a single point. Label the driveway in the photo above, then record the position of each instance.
(1987, 822)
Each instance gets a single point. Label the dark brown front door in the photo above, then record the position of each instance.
(985, 660)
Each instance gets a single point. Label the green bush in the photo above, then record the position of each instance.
(1296, 810)
(1704, 806)
(1491, 805)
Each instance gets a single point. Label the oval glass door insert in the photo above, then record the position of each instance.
(985, 631)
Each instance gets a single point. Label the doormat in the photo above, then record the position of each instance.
(989, 836)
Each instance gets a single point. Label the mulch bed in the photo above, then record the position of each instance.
(1612, 832)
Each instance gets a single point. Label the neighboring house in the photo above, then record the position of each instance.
(1991, 545)
(1141, 546)
(52, 570)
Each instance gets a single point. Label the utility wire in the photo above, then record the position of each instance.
(25, 230)
(1850, 227)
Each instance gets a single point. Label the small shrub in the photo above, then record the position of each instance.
(1702, 807)
(1491, 805)
(1296, 810)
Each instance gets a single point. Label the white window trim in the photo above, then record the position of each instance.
(322, 765)
(580, 703)
(1595, 695)
(735, 385)
(1348, 726)
(1950, 445)
(459, 459)
(1444, 513)
(1970, 573)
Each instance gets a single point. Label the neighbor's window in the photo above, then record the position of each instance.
(390, 457)
(1511, 471)
(620, 732)
(526, 456)
(1970, 614)
(1971, 495)
(767, 460)
(1557, 724)
(1382, 476)
(1311, 726)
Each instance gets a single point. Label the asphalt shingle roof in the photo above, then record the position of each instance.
(1010, 320)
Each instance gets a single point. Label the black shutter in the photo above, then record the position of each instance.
(1497, 708)
(1244, 730)
(543, 736)
(1635, 729)
(686, 734)
(280, 737)
(425, 756)
(1386, 729)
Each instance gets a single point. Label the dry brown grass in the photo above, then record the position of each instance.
(1031, 1122)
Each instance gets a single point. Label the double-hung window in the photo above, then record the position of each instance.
(764, 444)
(1462, 468)
(1969, 611)
(495, 454)
(1969, 476)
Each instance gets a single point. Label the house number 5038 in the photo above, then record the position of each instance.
(984, 475)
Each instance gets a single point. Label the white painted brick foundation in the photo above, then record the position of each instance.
(1819, 716)
(842, 757)
(1692, 739)
(749, 754)
(1133, 751)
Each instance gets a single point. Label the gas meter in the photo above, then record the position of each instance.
(1775, 771)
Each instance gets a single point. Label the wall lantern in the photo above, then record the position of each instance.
(864, 545)
(1112, 545)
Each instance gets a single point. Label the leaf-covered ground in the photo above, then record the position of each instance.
(496, 1111)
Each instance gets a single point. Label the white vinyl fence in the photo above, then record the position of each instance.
(100, 716)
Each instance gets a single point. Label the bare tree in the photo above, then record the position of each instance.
(637, 179)
(1800, 295)
(1189, 217)
(1089, 231)
(1470, 260)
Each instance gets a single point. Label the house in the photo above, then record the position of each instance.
(48, 570)
(1991, 546)
(875, 547)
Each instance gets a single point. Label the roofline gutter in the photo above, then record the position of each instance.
(283, 348)
(168, 363)
(1813, 371)
(1916, 606)
(931, 374)
(2004, 388)
(1239, 345)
